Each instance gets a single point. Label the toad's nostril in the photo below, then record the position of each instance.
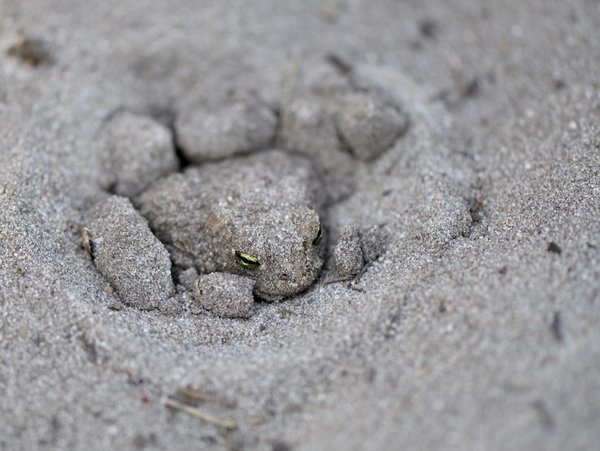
(285, 275)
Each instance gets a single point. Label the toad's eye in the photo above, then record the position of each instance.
(246, 260)
(319, 236)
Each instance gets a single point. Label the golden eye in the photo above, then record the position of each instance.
(319, 236)
(246, 260)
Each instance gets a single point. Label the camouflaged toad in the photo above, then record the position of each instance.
(256, 216)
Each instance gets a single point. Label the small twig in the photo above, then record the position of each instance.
(256, 420)
(352, 279)
(355, 288)
(362, 272)
(287, 95)
(195, 394)
(338, 279)
(341, 64)
(204, 416)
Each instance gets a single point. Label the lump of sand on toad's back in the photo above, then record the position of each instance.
(308, 127)
(356, 247)
(128, 254)
(347, 254)
(236, 124)
(137, 150)
(369, 126)
(225, 294)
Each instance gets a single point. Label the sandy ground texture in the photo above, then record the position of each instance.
(476, 329)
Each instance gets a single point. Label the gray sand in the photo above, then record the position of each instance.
(476, 329)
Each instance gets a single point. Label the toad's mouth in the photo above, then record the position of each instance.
(278, 289)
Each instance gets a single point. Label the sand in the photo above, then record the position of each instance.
(477, 329)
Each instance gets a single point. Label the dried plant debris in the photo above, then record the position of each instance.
(31, 51)
(192, 393)
(554, 248)
(557, 327)
(128, 254)
(196, 412)
(189, 398)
